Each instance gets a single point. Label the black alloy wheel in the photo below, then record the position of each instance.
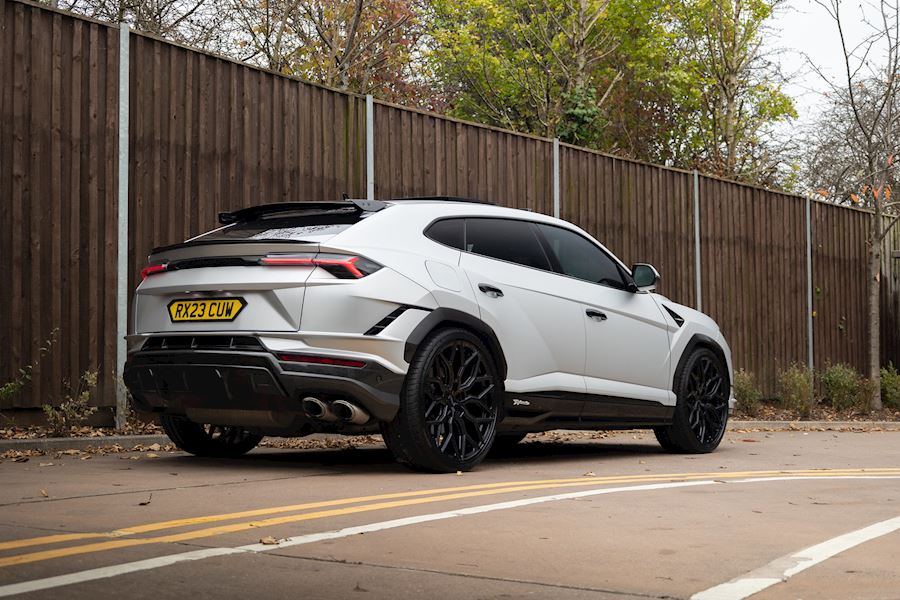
(701, 413)
(220, 441)
(450, 405)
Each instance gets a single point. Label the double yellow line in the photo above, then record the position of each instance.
(327, 508)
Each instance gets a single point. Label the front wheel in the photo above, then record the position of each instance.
(702, 386)
(449, 407)
(219, 441)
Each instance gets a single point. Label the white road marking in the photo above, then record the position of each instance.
(782, 569)
(162, 561)
(112, 571)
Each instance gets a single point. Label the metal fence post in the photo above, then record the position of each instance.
(122, 262)
(698, 275)
(809, 285)
(556, 207)
(370, 147)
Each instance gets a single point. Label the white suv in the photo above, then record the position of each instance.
(449, 325)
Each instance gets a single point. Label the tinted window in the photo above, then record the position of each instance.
(581, 259)
(448, 232)
(512, 241)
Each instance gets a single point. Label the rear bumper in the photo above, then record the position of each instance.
(176, 381)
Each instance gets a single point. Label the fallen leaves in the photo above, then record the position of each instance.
(45, 494)
(268, 540)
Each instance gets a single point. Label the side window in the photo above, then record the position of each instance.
(512, 241)
(448, 232)
(581, 259)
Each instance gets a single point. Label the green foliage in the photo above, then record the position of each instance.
(740, 94)
(795, 390)
(681, 83)
(746, 392)
(11, 388)
(75, 407)
(554, 67)
(844, 388)
(890, 387)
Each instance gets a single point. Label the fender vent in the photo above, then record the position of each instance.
(678, 318)
(382, 324)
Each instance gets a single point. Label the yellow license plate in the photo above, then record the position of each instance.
(208, 309)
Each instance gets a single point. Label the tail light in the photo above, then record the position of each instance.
(342, 266)
(321, 360)
(152, 270)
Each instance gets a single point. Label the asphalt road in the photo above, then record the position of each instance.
(770, 515)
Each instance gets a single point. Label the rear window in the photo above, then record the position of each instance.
(294, 227)
(449, 232)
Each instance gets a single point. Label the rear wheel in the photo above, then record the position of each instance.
(220, 441)
(701, 413)
(449, 407)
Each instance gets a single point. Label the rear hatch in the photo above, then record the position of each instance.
(249, 275)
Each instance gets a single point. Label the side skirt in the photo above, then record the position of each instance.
(541, 411)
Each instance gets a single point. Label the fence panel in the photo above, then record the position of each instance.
(420, 154)
(208, 134)
(839, 280)
(58, 148)
(890, 300)
(753, 254)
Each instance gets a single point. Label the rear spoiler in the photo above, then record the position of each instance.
(254, 212)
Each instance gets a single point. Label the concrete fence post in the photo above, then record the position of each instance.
(370, 147)
(122, 250)
(556, 199)
(809, 286)
(698, 275)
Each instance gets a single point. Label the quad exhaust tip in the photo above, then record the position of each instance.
(317, 409)
(349, 413)
(339, 410)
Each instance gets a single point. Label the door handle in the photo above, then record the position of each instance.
(490, 290)
(595, 314)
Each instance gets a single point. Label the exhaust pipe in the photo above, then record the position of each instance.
(317, 409)
(349, 413)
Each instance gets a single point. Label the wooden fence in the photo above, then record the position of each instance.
(208, 134)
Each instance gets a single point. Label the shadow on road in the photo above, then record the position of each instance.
(375, 458)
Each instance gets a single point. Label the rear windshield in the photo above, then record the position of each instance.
(294, 227)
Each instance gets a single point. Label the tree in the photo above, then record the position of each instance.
(739, 87)
(529, 65)
(862, 137)
(199, 23)
(364, 47)
(683, 83)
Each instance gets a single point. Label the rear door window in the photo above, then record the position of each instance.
(506, 239)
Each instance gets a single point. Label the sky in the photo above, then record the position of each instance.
(805, 32)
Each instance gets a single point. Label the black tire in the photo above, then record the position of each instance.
(702, 387)
(219, 441)
(449, 406)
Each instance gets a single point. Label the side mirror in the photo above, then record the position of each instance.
(645, 277)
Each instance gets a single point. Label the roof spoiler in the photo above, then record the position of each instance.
(254, 212)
